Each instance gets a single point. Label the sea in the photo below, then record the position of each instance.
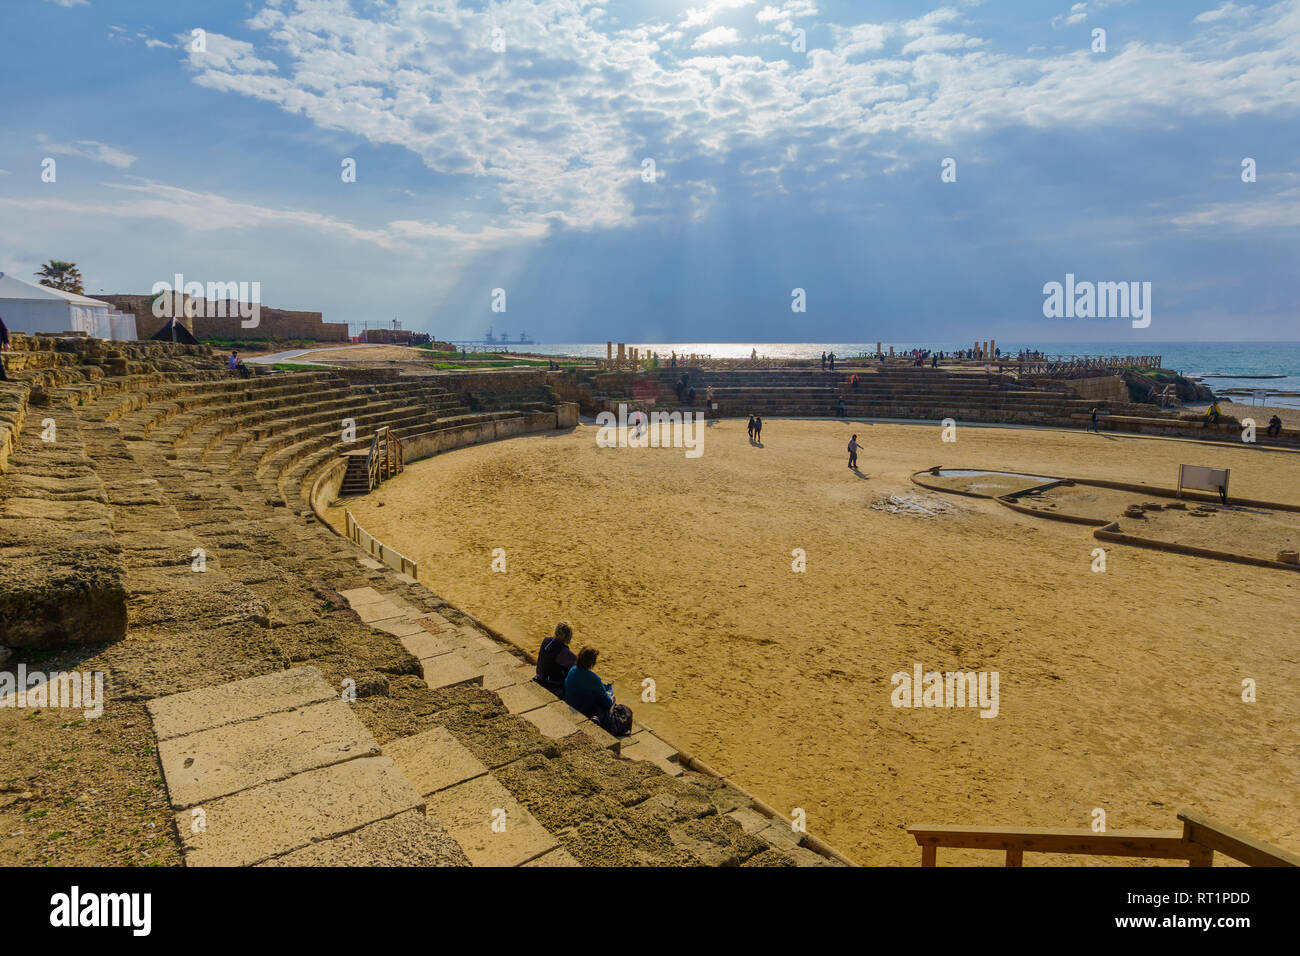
(1273, 367)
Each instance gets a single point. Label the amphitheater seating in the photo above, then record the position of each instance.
(918, 394)
(187, 491)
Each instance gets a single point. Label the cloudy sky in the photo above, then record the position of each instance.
(793, 143)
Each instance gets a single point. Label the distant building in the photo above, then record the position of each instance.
(393, 337)
(30, 308)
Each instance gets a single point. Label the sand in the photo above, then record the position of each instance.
(1119, 690)
(1261, 414)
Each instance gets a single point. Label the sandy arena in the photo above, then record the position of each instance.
(1120, 690)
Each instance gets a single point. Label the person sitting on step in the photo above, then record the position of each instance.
(584, 691)
(554, 659)
(1274, 429)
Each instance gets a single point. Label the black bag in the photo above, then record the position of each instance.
(619, 720)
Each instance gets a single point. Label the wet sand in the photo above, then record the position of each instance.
(1119, 690)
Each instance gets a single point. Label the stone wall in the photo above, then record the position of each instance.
(273, 324)
(1105, 388)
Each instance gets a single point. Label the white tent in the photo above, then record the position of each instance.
(28, 307)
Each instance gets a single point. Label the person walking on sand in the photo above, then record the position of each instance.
(1092, 425)
(758, 428)
(751, 428)
(853, 452)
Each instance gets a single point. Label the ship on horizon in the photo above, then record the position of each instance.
(505, 339)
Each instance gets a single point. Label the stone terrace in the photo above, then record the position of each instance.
(273, 696)
(910, 394)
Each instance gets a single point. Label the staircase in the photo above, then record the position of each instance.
(385, 459)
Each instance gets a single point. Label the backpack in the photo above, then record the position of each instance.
(619, 721)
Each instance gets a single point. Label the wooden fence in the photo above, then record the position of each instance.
(1197, 842)
(377, 549)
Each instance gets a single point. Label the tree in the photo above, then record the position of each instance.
(64, 276)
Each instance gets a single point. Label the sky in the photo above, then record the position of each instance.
(668, 170)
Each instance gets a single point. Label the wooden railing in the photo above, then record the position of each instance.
(377, 549)
(1196, 843)
(387, 456)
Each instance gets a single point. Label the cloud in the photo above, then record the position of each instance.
(210, 212)
(718, 36)
(700, 16)
(222, 53)
(555, 127)
(69, 3)
(1279, 211)
(89, 149)
(1229, 11)
(787, 11)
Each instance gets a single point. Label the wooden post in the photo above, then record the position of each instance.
(928, 852)
(1015, 857)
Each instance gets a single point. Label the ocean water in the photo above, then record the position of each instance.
(1237, 361)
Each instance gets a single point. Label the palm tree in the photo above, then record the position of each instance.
(64, 276)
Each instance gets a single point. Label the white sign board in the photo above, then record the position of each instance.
(1200, 478)
(1259, 397)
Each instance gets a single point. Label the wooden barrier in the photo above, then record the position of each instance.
(1196, 843)
(377, 549)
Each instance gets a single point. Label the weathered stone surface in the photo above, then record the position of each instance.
(450, 669)
(239, 700)
(557, 719)
(557, 857)
(69, 590)
(646, 746)
(224, 760)
(399, 627)
(525, 696)
(505, 670)
(434, 760)
(751, 821)
(408, 839)
(378, 611)
(423, 644)
(266, 821)
(468, 812)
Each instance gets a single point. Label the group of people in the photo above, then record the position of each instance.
(828, 361)
(755, 428)
(572, 677)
